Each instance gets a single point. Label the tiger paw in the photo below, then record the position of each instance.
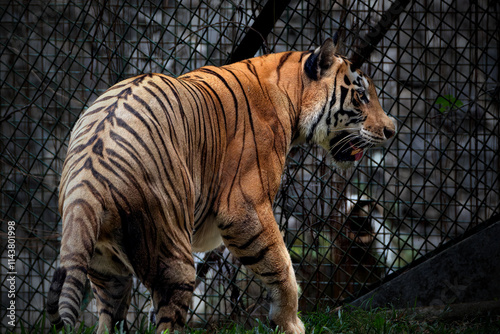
(294, 326)
(297, 327)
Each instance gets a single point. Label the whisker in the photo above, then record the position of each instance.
(337, 130)
(341, 145)
(364, 143)
(348, 138)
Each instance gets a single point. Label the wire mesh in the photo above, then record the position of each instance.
(437, 73)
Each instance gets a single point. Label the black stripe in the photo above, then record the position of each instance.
(177, 194)
(88, 128)
(105, 311)
(171, 290)
(172, 131)
(310, 133)
(75, 281)
(235, 100)
(182, 287)
(81, 268)
(225, 227)
(277, 282)
(252, 69)
(354, 102)
(104, 301)
(116, 295)
(282, 61)
(69, 316)
(131, 178)
(350, 114)
(138, 137)
(254, 136)
(98, 147)
(156, 122)
(79, 148)
(75, 257)
(332, 104)
(162, 320)
(71, 307)
(52, 307)
(343, 95)
(303, 54)
(203, 207)
(179, 318)
(97, 195)
(347, 81)
(57, 323)
(168, 81)
(72, 165)
(71, 294)
(251, 260)
(246, 244)
(165, 299)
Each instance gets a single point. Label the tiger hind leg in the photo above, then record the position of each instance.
(165, 267)
(113, 296)
(110, 273)
(172, 294)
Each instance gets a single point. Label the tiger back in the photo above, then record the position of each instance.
(160, 167)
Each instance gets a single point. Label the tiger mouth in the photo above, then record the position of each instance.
(345, 148)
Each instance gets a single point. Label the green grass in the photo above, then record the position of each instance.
(346, 321)
(389, 321)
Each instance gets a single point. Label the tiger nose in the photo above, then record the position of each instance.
(388, 133)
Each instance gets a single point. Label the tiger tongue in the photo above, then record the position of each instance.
(356, 151)
(358, 155)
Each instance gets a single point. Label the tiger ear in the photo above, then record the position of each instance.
(321, 59)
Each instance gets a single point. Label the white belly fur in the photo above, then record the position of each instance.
(207, 237)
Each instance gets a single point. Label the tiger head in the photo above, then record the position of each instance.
(340, 108)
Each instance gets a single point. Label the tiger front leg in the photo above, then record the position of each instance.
(256, 241)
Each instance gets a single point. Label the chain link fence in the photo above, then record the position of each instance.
(437, 74)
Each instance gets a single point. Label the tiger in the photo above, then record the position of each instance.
(160, 167)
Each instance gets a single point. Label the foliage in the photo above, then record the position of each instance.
(448, 103)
